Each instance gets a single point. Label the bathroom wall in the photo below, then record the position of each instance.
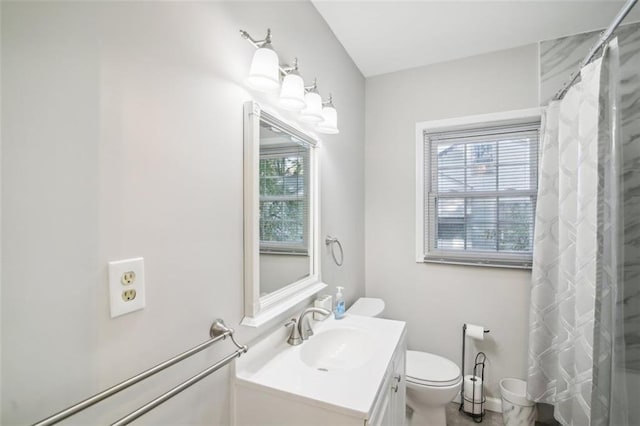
(122, 137)
(437, 299)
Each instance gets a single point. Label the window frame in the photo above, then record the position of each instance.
(425, 253)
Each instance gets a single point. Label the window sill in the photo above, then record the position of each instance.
(526, 265)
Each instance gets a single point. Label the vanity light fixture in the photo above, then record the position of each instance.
(292, 92)
(329, 125)
(265, 73)
(313, 112)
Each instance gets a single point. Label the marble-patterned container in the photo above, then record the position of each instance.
(517, 410)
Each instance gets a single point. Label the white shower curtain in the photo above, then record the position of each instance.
(576, 250)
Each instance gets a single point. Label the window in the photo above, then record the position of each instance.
(479, 187)
(283, 199)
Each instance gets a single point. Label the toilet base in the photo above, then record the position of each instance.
(429, 404)
(431, 417)
(425, 415)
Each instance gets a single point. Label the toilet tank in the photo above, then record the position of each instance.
(367, 307)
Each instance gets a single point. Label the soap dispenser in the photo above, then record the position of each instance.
(339, 311)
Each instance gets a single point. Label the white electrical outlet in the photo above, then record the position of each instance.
(126, 286)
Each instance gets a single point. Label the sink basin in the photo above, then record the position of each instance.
(344, 348)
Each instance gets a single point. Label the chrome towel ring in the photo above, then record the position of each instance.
(332, 242)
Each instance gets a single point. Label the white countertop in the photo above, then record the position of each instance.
(272, 365)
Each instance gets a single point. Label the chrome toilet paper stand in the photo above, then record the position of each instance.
(478, 371)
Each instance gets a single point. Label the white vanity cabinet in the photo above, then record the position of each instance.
(389, 408)
(358, 381)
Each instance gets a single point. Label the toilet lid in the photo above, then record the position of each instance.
(431, 370)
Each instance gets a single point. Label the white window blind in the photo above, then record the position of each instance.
(284, 199)
(480, 194)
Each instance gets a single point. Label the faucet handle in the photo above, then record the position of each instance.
(294, 338)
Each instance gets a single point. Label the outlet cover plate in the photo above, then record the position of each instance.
(119, 304)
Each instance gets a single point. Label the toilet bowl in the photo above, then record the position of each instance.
(432, 381)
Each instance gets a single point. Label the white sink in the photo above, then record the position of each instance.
(338, 349)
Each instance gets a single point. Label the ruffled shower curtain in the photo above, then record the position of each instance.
(577, 251)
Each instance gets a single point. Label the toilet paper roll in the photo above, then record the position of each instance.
(475, 331)
(471, 384)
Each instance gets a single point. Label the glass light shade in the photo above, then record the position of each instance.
(313, 112)
(292, 92)
(264, 74)
(330, 123)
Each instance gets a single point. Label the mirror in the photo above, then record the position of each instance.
(284, 209)
(280, 213)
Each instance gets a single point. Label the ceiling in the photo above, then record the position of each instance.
(388, 36)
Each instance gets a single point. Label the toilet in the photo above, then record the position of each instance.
(432, 381)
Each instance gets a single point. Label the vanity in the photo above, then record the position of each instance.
(350, 372)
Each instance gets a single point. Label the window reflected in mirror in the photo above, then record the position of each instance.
(284, 209)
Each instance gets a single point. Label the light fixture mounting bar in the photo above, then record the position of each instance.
(313, 87)
(257, 43)
(328, 102)
(286, 69)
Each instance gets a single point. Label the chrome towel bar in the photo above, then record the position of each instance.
(218, 331)
(176, 390)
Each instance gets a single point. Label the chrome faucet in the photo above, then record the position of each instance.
(302, 329)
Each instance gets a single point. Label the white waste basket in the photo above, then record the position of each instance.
(517, 410)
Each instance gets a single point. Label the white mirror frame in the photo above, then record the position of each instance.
(258, 310)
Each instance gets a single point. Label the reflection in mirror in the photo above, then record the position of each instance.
(284, 209)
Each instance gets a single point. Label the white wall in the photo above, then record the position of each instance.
(122, 137)
(436, 299)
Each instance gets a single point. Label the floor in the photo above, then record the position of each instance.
(457, 418)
